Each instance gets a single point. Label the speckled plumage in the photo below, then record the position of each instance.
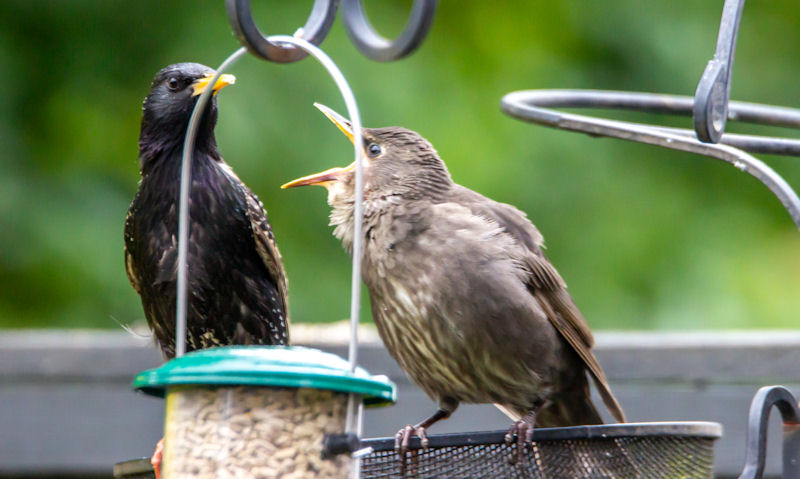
(237, 285)
(461, 292)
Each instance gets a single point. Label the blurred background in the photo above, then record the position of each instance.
(647, 239)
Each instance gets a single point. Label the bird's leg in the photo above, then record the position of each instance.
(156, 459)
(523, 429)
(403, 436)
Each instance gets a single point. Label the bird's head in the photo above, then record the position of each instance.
(397, 163)
(168, 107)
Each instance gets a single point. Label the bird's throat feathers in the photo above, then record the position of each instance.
(161, 138)
(342, 216)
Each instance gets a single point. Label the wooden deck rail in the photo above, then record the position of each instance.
(67, 409)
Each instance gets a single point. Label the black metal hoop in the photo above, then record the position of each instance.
(714, 89)
(756, 453)
(376, 47)
(314, 31)
(529, 106)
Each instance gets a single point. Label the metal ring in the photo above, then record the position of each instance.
(376, 47)
(314, 31)
(528, 106)
(714, 89)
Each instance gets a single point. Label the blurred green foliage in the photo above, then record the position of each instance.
(646, 238)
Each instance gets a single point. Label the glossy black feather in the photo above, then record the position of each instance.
(237, 285)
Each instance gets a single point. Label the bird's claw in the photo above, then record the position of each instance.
(155, 460)
(402, 440)
(524, 432)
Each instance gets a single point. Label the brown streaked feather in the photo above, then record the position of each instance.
(546, 285)
(544, 277)
(567, 329)
(513, 220)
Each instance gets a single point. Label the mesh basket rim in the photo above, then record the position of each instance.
(697, 429)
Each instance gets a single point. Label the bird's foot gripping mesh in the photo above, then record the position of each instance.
(653, 450)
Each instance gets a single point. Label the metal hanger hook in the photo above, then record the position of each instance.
(376, 47)
(314, 31)
(714, 89)
(755, 457)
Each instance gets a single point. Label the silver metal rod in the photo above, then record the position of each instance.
(183, 205)
(355, 119)
(354, 404)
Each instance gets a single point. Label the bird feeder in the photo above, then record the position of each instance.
(257, 411)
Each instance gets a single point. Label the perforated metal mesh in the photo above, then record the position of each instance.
(654, 455)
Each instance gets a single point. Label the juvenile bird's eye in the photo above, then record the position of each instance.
(173, 84)
(374, 149)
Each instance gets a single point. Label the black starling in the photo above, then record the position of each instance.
(462, 294)
(237, 285)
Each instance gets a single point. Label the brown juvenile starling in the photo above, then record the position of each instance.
(461, 292)
(237, 285)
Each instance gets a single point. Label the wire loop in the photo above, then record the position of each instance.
(314, 31)
(376, 47)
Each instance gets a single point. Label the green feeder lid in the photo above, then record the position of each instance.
(280, 366)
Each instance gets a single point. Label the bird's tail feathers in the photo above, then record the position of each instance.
(568, 410)
(608, 397)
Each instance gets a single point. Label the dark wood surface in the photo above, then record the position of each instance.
(67, 408)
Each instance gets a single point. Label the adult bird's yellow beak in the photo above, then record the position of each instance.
(327, 177)
(200, 85)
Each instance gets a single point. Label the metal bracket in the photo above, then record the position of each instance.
(336, 444)
(530, 106)
(714, 90)
(755, 458)
(378, 48)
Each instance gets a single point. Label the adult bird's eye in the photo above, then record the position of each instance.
(173, 84)
(374, 149)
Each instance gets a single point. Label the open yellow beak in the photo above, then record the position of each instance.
(327, 177)
(338, 120)
(199, 86)
(323, 178)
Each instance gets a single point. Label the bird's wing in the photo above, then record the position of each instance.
(266, 246)
(547, 286)
(564, 315)
(133, 277)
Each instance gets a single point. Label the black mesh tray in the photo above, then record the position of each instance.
(653, 450)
